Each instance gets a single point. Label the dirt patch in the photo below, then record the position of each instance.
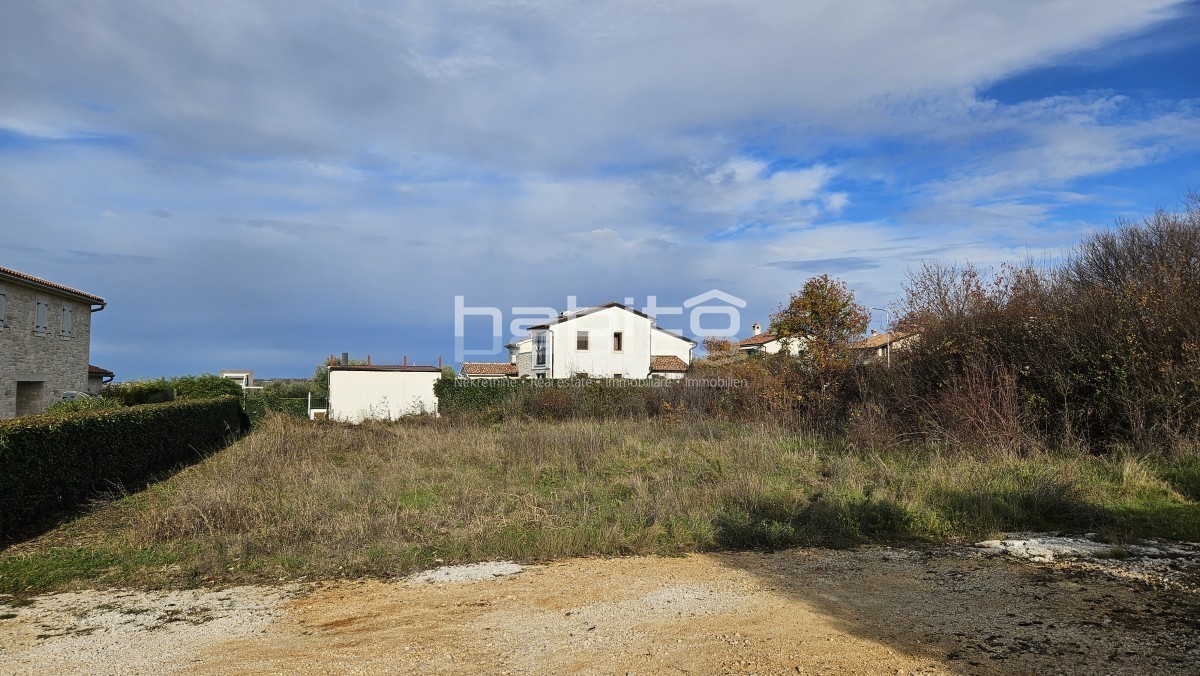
(873, 609)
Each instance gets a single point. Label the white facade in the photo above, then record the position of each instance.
(774, 346)
(609, 341)
(358, 393)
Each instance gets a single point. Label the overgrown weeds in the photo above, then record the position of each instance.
(302, 499)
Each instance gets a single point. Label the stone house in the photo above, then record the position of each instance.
(45, 342)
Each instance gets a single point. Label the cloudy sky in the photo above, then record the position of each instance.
(259, 184)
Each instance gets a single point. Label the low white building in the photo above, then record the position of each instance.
(358, 393)
(607, 341)
(768, 343)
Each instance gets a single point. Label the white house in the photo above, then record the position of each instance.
(358, 393)
(768, 343)
(607, 341)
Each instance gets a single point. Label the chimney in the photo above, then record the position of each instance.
(345, 359)
(757, 329)
(874, 332)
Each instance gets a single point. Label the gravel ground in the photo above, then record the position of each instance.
(986, 608)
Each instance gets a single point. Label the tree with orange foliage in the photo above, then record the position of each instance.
(823, 318)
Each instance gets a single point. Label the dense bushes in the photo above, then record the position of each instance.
(168, 389)
(49, 462)
(584, 398)
(1100, 350)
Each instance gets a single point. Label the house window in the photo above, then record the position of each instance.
(67, 313)
(539, 349)
(41, 318)
(618, 341)
(618, 376)
(581, 341)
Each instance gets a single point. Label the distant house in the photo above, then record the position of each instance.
(243, 377)
(374, 392)
(607, 341)
(98, 378)
(45, 342)
(768, 343)
(874, 348)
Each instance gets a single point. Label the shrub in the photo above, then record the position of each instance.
(50, 462)
(155, 391)
(82, 405)
(1102, 349)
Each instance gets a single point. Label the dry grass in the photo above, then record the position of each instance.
(297, 499)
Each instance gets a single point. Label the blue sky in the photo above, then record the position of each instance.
(258, 185)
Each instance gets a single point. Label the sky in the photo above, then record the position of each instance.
(261, 184)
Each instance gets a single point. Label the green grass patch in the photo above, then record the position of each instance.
(296, 499)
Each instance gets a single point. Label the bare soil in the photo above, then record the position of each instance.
(936, 610)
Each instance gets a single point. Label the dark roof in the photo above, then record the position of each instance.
(588, 311)
(667, 363)
(37, 281)
(94, 370)
(382, 367)
(487, 368)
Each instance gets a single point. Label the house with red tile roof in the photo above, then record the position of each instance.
(768, 343)
(878, 346)
(45, 342)
(97, 378)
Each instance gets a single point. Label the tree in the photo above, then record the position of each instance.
(824, 318)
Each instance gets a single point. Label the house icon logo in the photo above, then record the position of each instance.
(715, 302)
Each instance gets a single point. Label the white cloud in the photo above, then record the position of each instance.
(357, 164)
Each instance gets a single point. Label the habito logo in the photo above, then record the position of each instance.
(713, 313)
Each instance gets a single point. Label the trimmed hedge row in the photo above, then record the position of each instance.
(589, 398)
(52, 462)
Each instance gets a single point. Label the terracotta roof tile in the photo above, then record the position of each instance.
(486, 368)
(878, 340)
(97, 371)
(7, 272)
(667, 363)
(760, 339)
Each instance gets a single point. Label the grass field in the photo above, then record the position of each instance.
(301, 500)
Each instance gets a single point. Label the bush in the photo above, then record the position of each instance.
(205, 386)
(1100, 350)
(49, 462)
(287, 398)
(82, 405)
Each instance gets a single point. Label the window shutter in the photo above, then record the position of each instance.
(41, 320)
(66, 321)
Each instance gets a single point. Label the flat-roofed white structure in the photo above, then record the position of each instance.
(358, 393)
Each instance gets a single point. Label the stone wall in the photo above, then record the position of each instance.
(59, 364)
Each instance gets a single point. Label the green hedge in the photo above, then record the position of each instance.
(586, 398)
(52, 462)
(260, 403)
(204, 386)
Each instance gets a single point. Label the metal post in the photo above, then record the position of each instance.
(887, 320)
